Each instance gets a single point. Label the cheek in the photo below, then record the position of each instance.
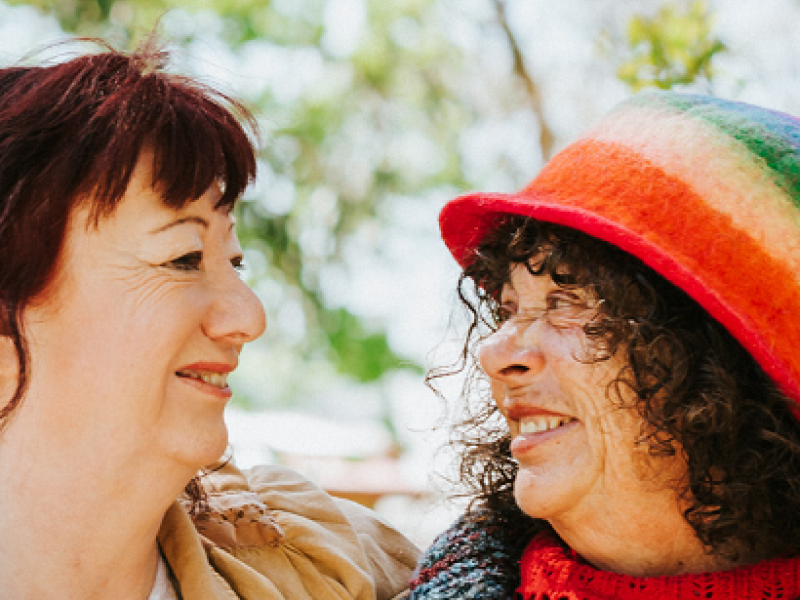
(612, 423)
(145, 289)
(118, 330)
(498, 391)
(626, 459)
(159, 305)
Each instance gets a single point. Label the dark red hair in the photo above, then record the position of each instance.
(73, 132)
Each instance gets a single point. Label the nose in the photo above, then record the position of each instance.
(236, 315)
(512, 355)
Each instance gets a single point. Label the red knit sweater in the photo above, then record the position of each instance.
(551, 572)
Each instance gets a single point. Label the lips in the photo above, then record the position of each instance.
(207, 376)
(524, 443)
(531, 426)
(216, 379)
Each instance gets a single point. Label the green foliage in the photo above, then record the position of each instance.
(95, 18)
(368, 125)
(674, 47)
(362, 354)
(338, 146)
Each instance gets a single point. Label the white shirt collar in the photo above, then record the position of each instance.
(162, 588)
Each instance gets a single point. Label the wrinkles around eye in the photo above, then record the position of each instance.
(562, 314)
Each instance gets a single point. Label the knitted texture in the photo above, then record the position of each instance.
(469, 560)
(549, 571)
(704, 191)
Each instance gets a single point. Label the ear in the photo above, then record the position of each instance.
(9, 370)
(9, 361)
(10, 366)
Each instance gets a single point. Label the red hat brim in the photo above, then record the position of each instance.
(466, 220)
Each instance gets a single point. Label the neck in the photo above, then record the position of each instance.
(659, 543)
(79, 525)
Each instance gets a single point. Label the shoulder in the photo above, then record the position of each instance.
(476, 557)
(272, 517)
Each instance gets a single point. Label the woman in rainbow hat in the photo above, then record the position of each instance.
(635, 317)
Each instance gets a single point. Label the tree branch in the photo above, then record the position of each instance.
(546, 137)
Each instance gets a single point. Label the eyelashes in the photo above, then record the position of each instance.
(502, 313)
(237, 262)
(187, 262)
(561, 309)
(193, 261)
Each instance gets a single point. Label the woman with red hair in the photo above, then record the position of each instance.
(123, 315)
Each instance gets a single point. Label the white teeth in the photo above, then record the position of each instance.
(216, 379)
(219, 380)
(537, 424)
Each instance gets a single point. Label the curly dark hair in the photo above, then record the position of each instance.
(698, 391)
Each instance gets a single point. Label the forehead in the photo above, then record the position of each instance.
(534, 285)
(143, 205)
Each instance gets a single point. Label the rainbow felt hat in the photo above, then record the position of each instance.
(705, 191)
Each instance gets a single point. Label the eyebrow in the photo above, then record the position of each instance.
(183, 220)
(198, 220)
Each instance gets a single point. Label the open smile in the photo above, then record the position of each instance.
(219, 380)
(538, 430)
(542, 423)
(211, 379)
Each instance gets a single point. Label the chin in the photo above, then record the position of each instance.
(539, 498)
(202, 447)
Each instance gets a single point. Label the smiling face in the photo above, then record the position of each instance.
(132, 342)
(575, 446)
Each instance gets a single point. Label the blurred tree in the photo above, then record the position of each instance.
(354, 127)
(547, 138)
(339, 147)
(674, 47)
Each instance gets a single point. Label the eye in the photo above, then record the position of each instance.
(503, 312)
(565, 309)
(187, 262)
(564, 301)
(237, 262)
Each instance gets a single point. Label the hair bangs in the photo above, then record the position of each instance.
(198, 136)
(199, 142)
